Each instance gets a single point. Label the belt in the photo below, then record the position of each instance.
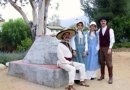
(69, 59)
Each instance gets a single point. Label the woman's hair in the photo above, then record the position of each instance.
(80, 23)
(94, 33)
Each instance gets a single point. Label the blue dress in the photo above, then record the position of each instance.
(92, 63)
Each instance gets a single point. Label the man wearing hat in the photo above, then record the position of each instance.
(107, 39)
(64, 54)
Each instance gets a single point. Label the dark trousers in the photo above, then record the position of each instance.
(105, 59)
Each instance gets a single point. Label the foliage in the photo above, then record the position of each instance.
(121, 26)
(13, 32)
(120, 45)
(117, 12)
(86, 29)
(109, 8)
(25, 44)
(7, 57)
(128, 5)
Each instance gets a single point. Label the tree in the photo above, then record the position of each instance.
(115, 10)
(39, 14)
(109, 8)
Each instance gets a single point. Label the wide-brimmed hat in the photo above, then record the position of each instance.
(93, 23)
(61, 33)
(103, 18)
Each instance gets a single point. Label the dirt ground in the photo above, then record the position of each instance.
(121, 63)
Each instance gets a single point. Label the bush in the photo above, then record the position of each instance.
(13, 32)
(122, 45)
(121, 26)
(7, 57)
(25, 44)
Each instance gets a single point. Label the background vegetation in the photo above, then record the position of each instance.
(15, 36)
(117, 11)
(7, 57)
(15, 40)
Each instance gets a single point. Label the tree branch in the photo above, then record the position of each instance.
(19, 9)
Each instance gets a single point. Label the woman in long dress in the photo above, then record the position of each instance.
(92, 64)
(79, 46)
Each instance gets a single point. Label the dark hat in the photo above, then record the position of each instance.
(103, 18)
(61, 33)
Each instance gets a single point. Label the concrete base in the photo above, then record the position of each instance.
(48, 75)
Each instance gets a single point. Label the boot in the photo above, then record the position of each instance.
(102, 73)
(110, 81)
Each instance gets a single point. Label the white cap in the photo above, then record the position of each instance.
(92, 23)
(79, 20)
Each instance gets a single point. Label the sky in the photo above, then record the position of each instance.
(9, 12)
(68, 10)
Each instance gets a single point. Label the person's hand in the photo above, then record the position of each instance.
(71, 63)
(109, 51)
(85, 53)
(96, 52)
(74, 53)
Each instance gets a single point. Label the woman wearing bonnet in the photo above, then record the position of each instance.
(92, 64)
(79, 45)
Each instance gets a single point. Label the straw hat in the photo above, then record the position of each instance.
(60, 34)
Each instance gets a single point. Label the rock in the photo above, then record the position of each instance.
(43, 51)
(40, 64)
(7, 64)
(2, 66)
(48, 75)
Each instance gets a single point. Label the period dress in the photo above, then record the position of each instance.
(92, 64)
(79, 43)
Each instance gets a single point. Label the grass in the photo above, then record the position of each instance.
(7, 57)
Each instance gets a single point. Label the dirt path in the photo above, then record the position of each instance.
(121, 63)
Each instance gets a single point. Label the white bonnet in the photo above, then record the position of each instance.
(92, 23)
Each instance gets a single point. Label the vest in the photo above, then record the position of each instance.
(104, 39)
(69, 47)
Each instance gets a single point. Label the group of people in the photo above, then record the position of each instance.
(84, 53)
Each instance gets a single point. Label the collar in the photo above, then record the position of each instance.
(104, 28)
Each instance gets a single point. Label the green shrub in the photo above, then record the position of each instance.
(7, 57)
(13, 33)
(25, 44)
(122, 45)
(121, 26)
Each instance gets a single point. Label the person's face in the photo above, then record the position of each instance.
(80, 26)
(66, 36)
(103, 23)
(93, 27)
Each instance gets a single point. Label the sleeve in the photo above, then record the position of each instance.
(112, 38)
(97, 48)
(60, 55)
(72, 42)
